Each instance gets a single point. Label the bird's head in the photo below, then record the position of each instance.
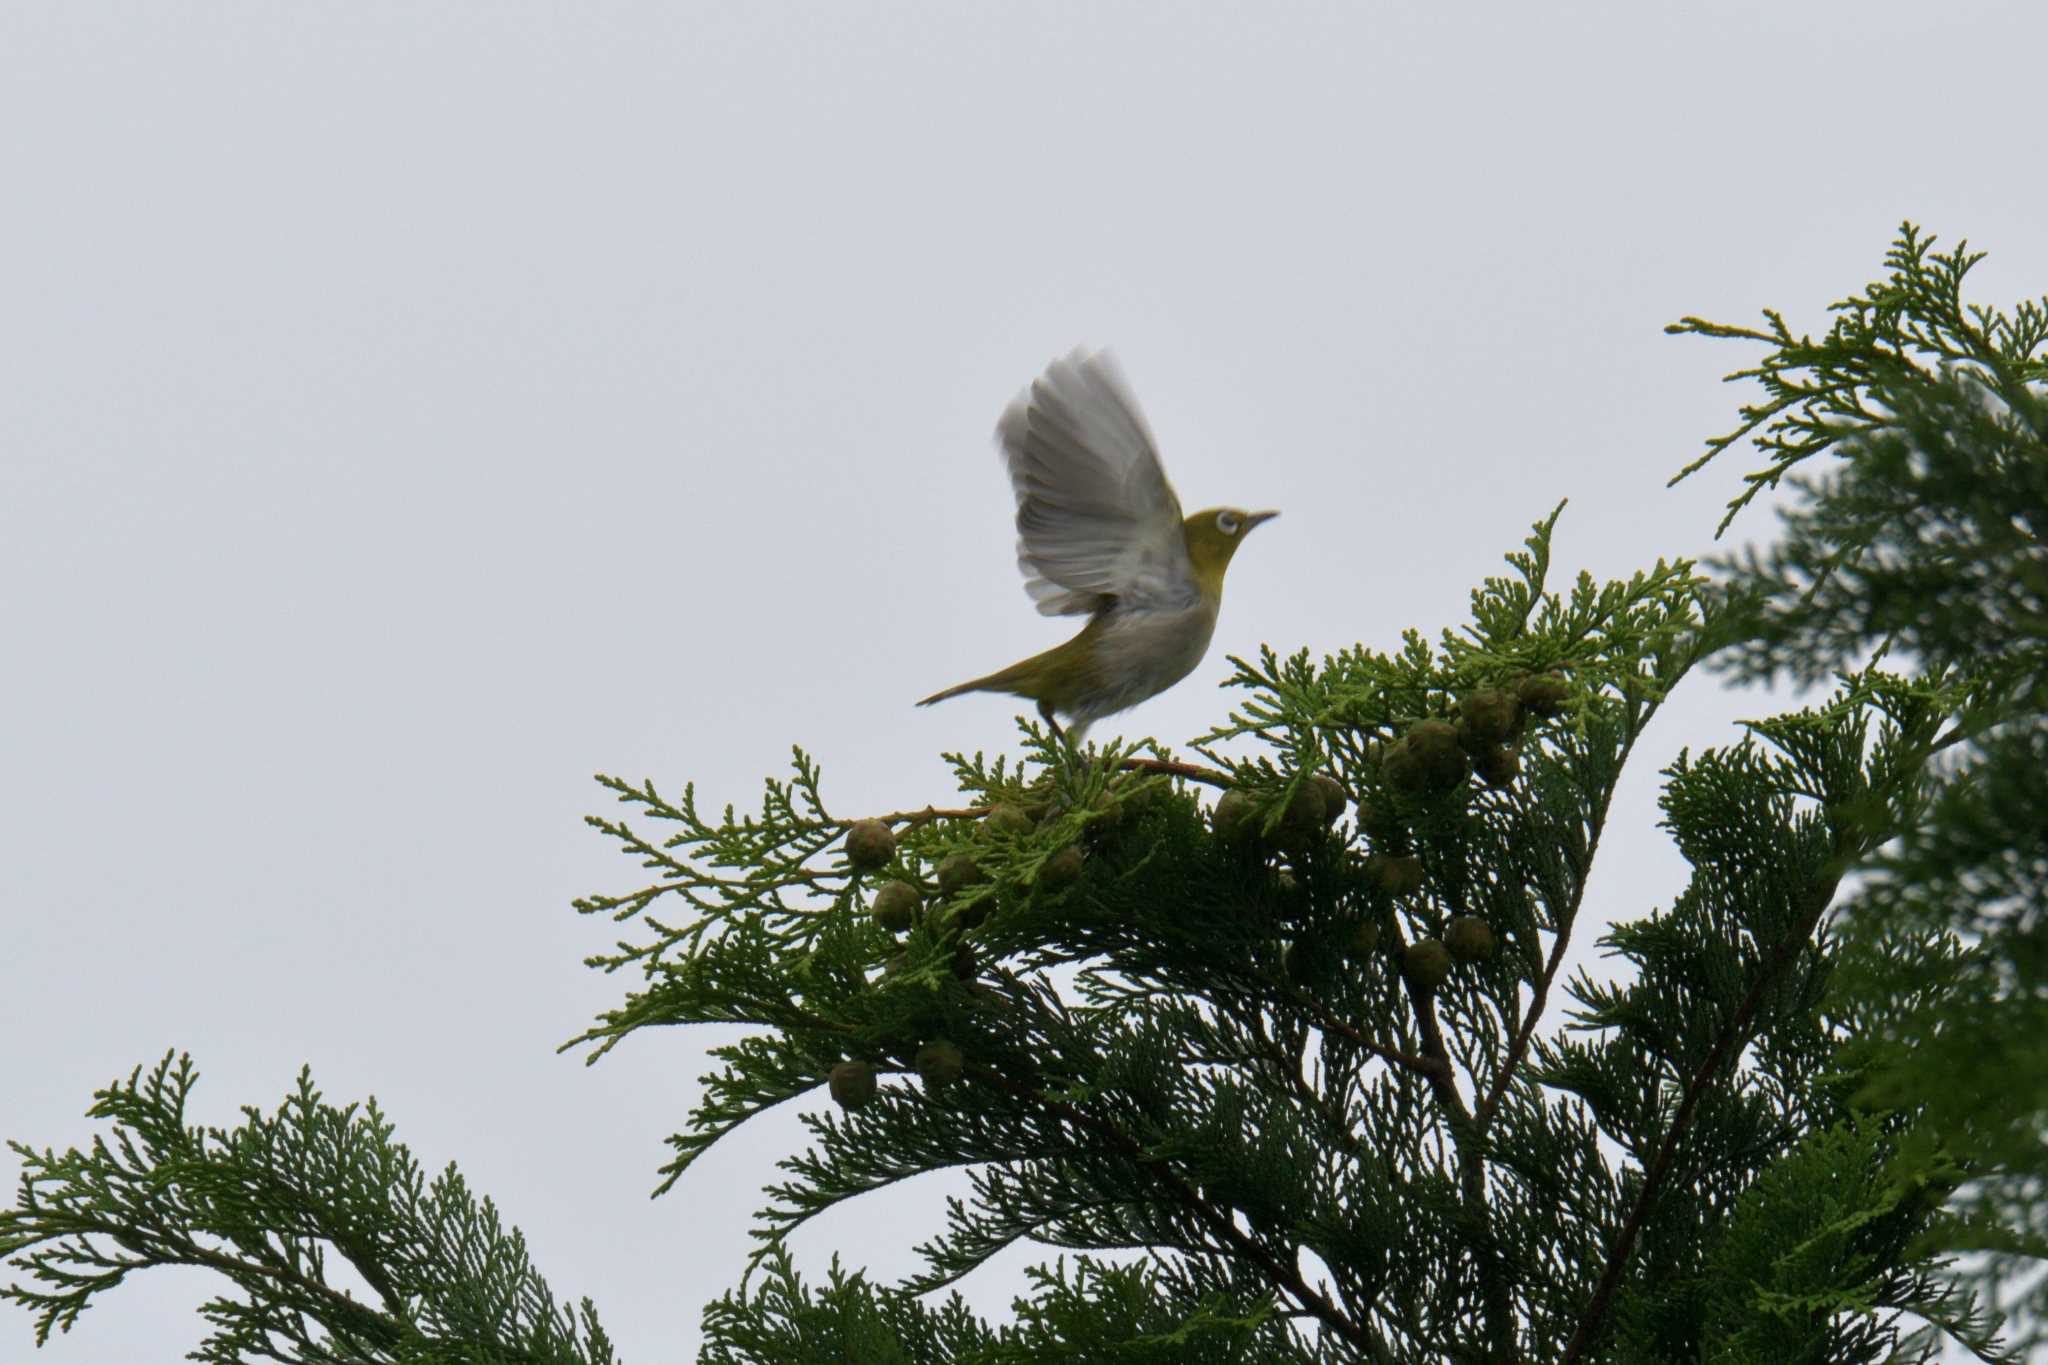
(1213, 536)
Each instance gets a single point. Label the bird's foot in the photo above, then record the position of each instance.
(1052, 723)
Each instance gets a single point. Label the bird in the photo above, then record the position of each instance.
(1100, 533)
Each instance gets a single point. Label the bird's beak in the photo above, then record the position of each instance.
(1256, 517)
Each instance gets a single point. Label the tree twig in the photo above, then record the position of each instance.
(1193, 772)
(1430, 1068)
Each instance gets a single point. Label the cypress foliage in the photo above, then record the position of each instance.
(269, 1206)
(1270, 1045)
(1928, 542)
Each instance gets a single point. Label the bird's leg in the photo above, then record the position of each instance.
(1069, 735)
(1045, 713)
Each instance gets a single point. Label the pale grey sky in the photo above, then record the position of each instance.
(410, 410)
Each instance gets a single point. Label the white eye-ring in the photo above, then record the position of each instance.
(1228, 522)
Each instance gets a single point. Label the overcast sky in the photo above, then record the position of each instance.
(407, 411)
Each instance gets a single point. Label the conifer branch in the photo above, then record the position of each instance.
(1899, 765)
(1725, 1042)
(1219, 1223)
(1430, 1068)
(1539, 997)
(1193, 772)
(1469, 1144)
(910, 819)
(263, 1205)
(157, 1250)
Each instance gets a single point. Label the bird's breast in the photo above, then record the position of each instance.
(1143, 652)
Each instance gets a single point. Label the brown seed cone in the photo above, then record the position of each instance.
(1061, 869)
(957, 871)
(1427, 759)
(1498, 766)
(1543, 694)
(1302, 822)
(1335, 798)
(895, 906)
(1469, 938)
(1488, 717)
(1235, 815)
(939, 1064)
(852, 1084)
(1365, 937)
(870, 844)
(1427, 963)
(1401, 876)
(1005, 818)
(1380, 824)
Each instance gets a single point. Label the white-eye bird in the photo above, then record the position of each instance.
(1100, 532)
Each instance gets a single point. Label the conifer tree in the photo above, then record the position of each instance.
(1267, 1042)
(1928, 542)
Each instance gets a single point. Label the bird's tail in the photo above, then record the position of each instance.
(978, 685)
(1022, 679)
(974, 686)
(1006, 680)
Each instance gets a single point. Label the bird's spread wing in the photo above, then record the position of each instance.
(1096, 520)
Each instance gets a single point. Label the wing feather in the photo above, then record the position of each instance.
(1097, 522)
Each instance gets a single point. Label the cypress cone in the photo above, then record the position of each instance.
(1335, 798)
(1427, 963)
(1498, 766)
(1469, 938)
(1005, 818)
(1139, 793)
(939, 1064)
(852, 1084)
(1232, 818)
(1402, 876)
(957, 872)
(1427, 759)
(1301, 823)
(1488, 717)
(1380, 824)
(1543, 694)
(1061, 869)
(870, 844)
(896, 905)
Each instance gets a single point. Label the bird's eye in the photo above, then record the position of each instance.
(1227, 523)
